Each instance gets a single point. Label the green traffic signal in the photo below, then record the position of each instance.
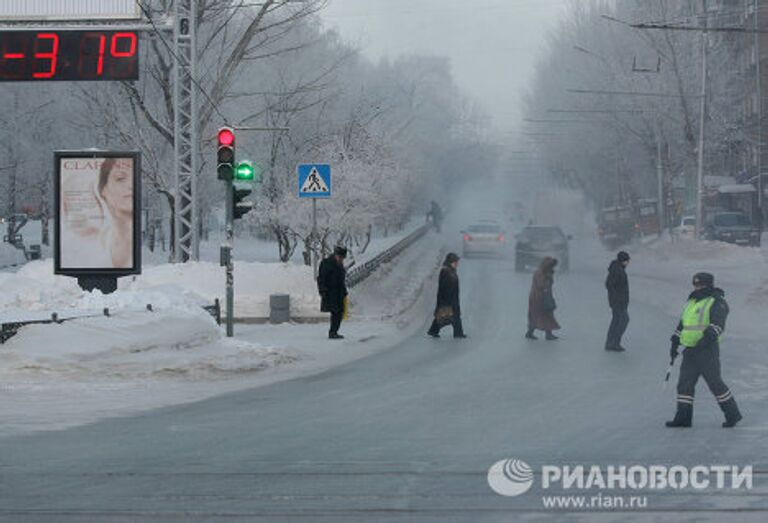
(248, 171)
(245, 171)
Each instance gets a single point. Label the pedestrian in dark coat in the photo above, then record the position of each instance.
(541, 301)
(617, 285)
(448, 308)
(332, 285)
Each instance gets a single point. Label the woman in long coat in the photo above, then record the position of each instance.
(448, 298)
(541, 302)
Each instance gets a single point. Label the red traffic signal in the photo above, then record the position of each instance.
(226, 137)
(225, 156)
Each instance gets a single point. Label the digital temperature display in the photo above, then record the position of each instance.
(68, 55)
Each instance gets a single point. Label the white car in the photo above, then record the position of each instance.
(484, 239)
(686, 227)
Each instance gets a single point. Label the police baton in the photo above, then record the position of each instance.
(669, 369)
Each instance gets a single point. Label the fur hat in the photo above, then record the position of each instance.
(704, 279)
(340, 251)
(451, 258)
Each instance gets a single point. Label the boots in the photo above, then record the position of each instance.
(683, 416)
(731, 411)
(530, 335)
(551, 336)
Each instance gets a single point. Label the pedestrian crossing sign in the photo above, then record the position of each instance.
(314, 180)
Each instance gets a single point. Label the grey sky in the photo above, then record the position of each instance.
(493, 44)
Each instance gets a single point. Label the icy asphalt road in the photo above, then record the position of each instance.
(409, 434)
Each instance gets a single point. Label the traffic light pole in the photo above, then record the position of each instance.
(315, 243)
(230, 264)
(229, 170)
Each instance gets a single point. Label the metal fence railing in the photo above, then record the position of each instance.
(9, 329)
(360, 273)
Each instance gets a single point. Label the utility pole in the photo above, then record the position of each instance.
(661, 204)
(705, 29)
(702, 122)
(185, 144)
(759, 108)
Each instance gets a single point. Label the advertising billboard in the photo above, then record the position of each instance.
(98, 213)
(51, 10)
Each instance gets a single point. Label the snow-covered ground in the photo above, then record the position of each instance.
(55, 376)
(10, 255)
(34, 287)
(661, 273)
(59, 375)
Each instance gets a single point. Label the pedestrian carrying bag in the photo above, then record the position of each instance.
(548, 302)
(444, 315)
(345, 315)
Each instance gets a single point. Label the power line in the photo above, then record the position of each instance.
(631, 93)
(157, 31)
(670, 27)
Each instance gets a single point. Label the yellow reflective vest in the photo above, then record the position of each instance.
(695, 320)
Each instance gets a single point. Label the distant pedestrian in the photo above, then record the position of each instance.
(541, 301)
(448, 308)
(435, 215)
(617, 285)
(332, 285)
(698, 332)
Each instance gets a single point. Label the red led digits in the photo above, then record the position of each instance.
(68, 55)
(13, 57)
(86, 54)
(131, 37)
(52, 55)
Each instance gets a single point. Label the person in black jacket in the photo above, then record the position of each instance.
(698, 332)
(448, 298)
(332, 285)
(617, 284)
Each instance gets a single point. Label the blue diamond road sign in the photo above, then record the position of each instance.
(314, 180)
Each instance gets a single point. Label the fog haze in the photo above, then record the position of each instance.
(492, 44)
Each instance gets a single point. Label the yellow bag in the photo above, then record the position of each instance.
(346, 308)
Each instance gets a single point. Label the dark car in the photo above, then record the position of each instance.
(732, 227)
(536, 242)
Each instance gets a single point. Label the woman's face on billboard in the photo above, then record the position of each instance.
(118, 191)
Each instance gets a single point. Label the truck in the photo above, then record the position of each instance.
(616, 225)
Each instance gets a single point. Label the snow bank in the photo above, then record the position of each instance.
(185, 286)
(55, 376)
(133, 345)
(176, 338)
(10, 255)
(254, 283)
(716, 254)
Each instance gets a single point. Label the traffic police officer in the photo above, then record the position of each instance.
(699, 330)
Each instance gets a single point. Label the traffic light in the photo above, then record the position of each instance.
(240, 191)
(248, 171)
(225, 157)
(245, 171)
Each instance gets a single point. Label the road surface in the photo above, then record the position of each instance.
(408, 434)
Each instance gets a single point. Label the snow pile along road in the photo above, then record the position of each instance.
(254, 282)
(180, 286)
(10, 255)
(54, 376)
(134, 345)
(177, 337)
